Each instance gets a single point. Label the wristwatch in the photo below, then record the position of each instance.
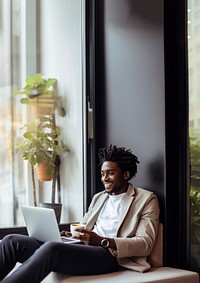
(105, 243)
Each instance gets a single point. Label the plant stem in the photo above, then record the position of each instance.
(53, 189)
(34, 187)
(58, 179)
(56, 171)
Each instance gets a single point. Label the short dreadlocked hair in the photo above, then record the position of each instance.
(124, 158)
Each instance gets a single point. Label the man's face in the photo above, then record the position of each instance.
(115, 182)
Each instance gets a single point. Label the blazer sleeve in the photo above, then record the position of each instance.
(144, 230)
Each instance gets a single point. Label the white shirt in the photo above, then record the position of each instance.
(107, 222)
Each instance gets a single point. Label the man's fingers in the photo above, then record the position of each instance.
(62, 233)
(82, 230)
(65, 233)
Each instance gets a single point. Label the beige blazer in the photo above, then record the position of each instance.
(138, 226)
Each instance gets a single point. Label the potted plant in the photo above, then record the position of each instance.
(43, 147)
(39, 92)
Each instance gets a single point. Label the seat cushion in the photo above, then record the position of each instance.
(160, 274)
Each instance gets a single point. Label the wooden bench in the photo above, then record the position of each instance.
(157, 273)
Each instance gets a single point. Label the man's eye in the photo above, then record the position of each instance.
(110, 173)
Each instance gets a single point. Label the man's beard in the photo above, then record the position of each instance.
(116, 188)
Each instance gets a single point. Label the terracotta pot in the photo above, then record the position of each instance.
(57, 207)
(41, 172)
(44, 104)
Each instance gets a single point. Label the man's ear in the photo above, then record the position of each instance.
(126, 175)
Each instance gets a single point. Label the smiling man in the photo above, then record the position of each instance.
(114, 182)
(120, 230)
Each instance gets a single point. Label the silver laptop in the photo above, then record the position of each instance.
(42, 225)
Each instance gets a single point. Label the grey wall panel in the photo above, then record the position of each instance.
(134, 85)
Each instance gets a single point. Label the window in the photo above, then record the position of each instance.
(47, 37)
(194, 131)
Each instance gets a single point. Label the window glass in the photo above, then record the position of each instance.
(194, 129)
(47, 37)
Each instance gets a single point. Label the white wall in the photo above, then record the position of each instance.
(60, 57)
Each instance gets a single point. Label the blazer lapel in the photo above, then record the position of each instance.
(126, 202)
(96, 210)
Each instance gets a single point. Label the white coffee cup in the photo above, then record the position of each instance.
(74, 226)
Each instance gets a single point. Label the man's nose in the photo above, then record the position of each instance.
(105, 177)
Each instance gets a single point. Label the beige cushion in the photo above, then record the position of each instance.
(161, 274)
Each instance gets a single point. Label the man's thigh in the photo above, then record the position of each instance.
(84, 259)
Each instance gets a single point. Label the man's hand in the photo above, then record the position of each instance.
(91, 238)
(88, 237)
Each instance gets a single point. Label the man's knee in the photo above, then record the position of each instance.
(11, 238)
(48, 253)
(49, 248)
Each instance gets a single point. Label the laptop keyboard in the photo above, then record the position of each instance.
(69, 240)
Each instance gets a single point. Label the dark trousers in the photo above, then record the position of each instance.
(38, 260)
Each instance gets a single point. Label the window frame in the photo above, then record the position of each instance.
(176, 217)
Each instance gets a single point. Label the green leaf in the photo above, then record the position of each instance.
(50, 82)
(50, 170)
(28, 135)
(25, 100)
(61, 111)
(19, 92)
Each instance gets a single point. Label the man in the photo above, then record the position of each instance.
(120, 230)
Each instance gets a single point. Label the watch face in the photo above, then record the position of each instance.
(105, 243)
